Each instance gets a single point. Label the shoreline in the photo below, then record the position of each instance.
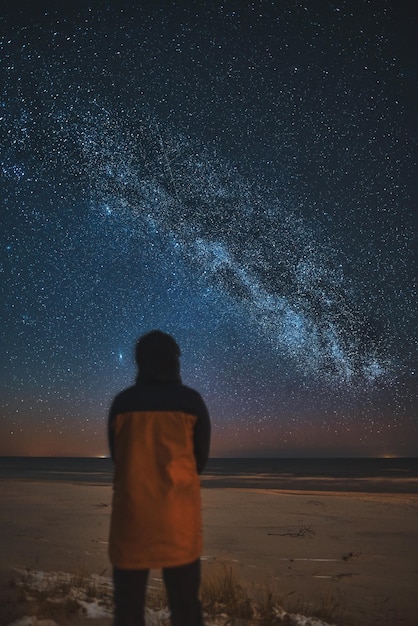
(352, 491)
(322, 475)
(345, 487)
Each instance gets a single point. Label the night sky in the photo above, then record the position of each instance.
(239, 174)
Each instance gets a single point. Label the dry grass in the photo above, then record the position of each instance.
(60, 597)
(325, 608)
(13, 603)
(223, 594)
(63, 598)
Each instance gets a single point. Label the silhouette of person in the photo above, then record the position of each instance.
(159, 437)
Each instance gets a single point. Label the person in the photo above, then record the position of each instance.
(159, 438)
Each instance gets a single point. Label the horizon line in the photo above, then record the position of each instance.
(266, 458)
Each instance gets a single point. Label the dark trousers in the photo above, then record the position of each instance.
(182, 587)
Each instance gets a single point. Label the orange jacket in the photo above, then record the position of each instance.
(159, 439)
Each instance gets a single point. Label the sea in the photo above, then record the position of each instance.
(371, 475)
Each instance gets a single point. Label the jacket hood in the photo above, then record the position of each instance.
(157, 355)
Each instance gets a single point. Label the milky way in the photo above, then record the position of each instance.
(248, 192)
(258, 252)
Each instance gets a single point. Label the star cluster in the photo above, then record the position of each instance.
(238, 174)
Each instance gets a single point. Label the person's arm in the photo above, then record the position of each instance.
(111, 431)
(201, 437)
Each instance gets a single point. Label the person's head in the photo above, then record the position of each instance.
(157, 356)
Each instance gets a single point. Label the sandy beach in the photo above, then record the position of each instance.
(357, 552)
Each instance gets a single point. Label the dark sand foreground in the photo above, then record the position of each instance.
(357, 550)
